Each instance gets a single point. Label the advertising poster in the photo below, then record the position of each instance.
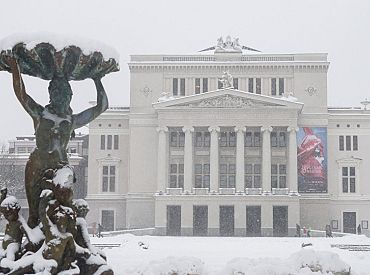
(312, 160)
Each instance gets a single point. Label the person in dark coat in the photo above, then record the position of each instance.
(328, 232)
(100, 229)
(298, 230)
(359, 229)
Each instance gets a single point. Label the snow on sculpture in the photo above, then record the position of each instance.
(52, 245)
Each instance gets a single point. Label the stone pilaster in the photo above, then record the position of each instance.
(292, 159)
(188, 158)
(240, 130)
(162, 159)
(266, 159)
(214, 163)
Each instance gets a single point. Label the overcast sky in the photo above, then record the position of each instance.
(339, 28)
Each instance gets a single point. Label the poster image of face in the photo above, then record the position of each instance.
(312, 160)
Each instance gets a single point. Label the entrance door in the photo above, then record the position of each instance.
(107, 220)
(349, 222)
(253, 221)
(280, 221)
(200, 220)
(173, 220)
(226, 220)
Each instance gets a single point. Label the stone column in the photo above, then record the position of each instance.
(240, 158)
(266, 159)
(162, 159)
(188, 158)
(292, 160)
(214, 158)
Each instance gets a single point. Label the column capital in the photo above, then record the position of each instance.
(188, 129)
(292, 129)
(162, 129)
(240, 128)
(214, 128)
(266, 129)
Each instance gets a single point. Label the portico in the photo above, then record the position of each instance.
(228, 116)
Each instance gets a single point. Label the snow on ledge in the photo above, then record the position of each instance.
(59, 42)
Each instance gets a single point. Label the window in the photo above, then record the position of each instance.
(115, 142)
(197, 86)
(176, 175)
(201, 172)
(273, 86)
(219, 85)
(278, 139)
(205, 85)
(278, 176)
(202, 139)
(355, 143)
(250, 85)
(281, 86)
(227, 139)
(109, 178)
(102, 142)
(175, 86)
(182, 86)
(227, 175)
(349, 179)
(351, 143)
(109, 142)
(236, 83)
(348, 143)
(252, 178)
(73, 150)
(341, 143)
(252, 139)
(177, 139)
(258, 86)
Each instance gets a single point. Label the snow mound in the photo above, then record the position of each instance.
(173, 266)
(64, 177)
(59, 42)
(304, 262)
(10, 202)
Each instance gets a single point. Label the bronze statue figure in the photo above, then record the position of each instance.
(56, 229)
(54, 124)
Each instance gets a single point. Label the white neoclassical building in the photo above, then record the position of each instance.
(230, 141)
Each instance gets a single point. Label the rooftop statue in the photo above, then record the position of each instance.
(226, 80)
(228, 46)
(47, 173)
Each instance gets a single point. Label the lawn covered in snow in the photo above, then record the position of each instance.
(154, 255)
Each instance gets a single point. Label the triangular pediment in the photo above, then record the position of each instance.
(226, 98)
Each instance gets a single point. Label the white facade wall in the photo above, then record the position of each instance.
(144, 156)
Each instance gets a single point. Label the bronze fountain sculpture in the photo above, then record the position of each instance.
(56, 238)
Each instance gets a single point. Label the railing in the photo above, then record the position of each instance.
(280, 191)
(174, 191)
(253, 191)
(227, 191)
(200, 191)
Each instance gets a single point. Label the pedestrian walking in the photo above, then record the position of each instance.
(298, 230)
(359, 229)
(100, 229)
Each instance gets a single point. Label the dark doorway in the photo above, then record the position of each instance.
(200, 220)
(226, 220)
(280, 221)
(253, 221)
(173, 220)
(349, 222)
(107, 220)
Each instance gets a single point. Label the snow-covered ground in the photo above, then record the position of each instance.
(153, 255)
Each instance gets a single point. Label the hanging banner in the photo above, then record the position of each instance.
(312, 160)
